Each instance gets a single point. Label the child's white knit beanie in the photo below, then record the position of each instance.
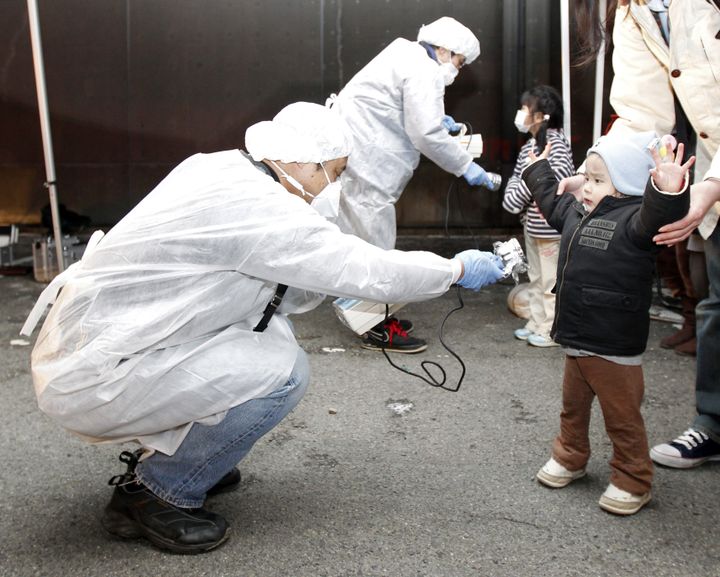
(628, 160)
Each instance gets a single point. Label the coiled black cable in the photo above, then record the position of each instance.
(430, 379)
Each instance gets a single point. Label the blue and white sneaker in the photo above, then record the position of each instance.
(542, 341)
(691, 449)
(522, 334)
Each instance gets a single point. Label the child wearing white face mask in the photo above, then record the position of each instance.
(541, 116)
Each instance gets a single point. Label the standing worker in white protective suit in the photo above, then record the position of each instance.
(395, 110)
(164, 333)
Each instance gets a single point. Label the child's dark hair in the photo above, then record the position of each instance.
(547, 101)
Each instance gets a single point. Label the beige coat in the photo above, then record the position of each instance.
(647, 73)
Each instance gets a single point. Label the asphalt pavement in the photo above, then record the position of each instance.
(376, 473)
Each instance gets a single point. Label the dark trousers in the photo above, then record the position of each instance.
(619, 389)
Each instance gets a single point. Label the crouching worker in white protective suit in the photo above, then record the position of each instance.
(395, 110)
(164, 333)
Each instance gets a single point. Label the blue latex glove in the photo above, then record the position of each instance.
(476, 176)
(481, 269)
(449, 124)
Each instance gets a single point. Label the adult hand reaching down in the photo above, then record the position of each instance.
(702, 197)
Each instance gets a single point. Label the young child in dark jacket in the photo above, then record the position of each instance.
(603, 293)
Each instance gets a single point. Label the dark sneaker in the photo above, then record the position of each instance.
(228, 483)
(691, 449)
(135, 512)
(405, 324)
(392, 338)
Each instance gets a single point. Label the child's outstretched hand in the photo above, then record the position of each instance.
(669, 175)
(543, 155)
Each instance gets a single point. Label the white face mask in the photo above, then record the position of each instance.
(449, 72)
(327, 202)
(520, 117)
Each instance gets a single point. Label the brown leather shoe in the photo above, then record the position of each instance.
(686, 333)
(688, 348)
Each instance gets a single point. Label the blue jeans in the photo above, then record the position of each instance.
(707, 384)
(210, 452)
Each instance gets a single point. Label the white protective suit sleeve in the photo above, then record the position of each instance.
(423, 110)
(153, 328)
(394, 109)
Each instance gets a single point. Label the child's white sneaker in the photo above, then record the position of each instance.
(554, 475)
(615, 500)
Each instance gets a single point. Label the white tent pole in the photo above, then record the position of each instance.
(45, 126)
(565, 46)
(599, 75)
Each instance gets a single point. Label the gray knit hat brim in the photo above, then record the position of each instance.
(628, 160)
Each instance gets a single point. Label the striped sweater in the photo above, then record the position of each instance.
(518, 199)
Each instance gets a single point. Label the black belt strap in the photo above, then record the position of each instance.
(270, 309)
(685, 133)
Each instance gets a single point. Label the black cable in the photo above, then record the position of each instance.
(430, 380)
(454, 183)
(467, 226)
(447, 205)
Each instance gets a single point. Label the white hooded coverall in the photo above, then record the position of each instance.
(394, 109)
(153, 328)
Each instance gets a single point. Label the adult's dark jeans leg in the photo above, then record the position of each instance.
(209, 452)
(707, 384)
